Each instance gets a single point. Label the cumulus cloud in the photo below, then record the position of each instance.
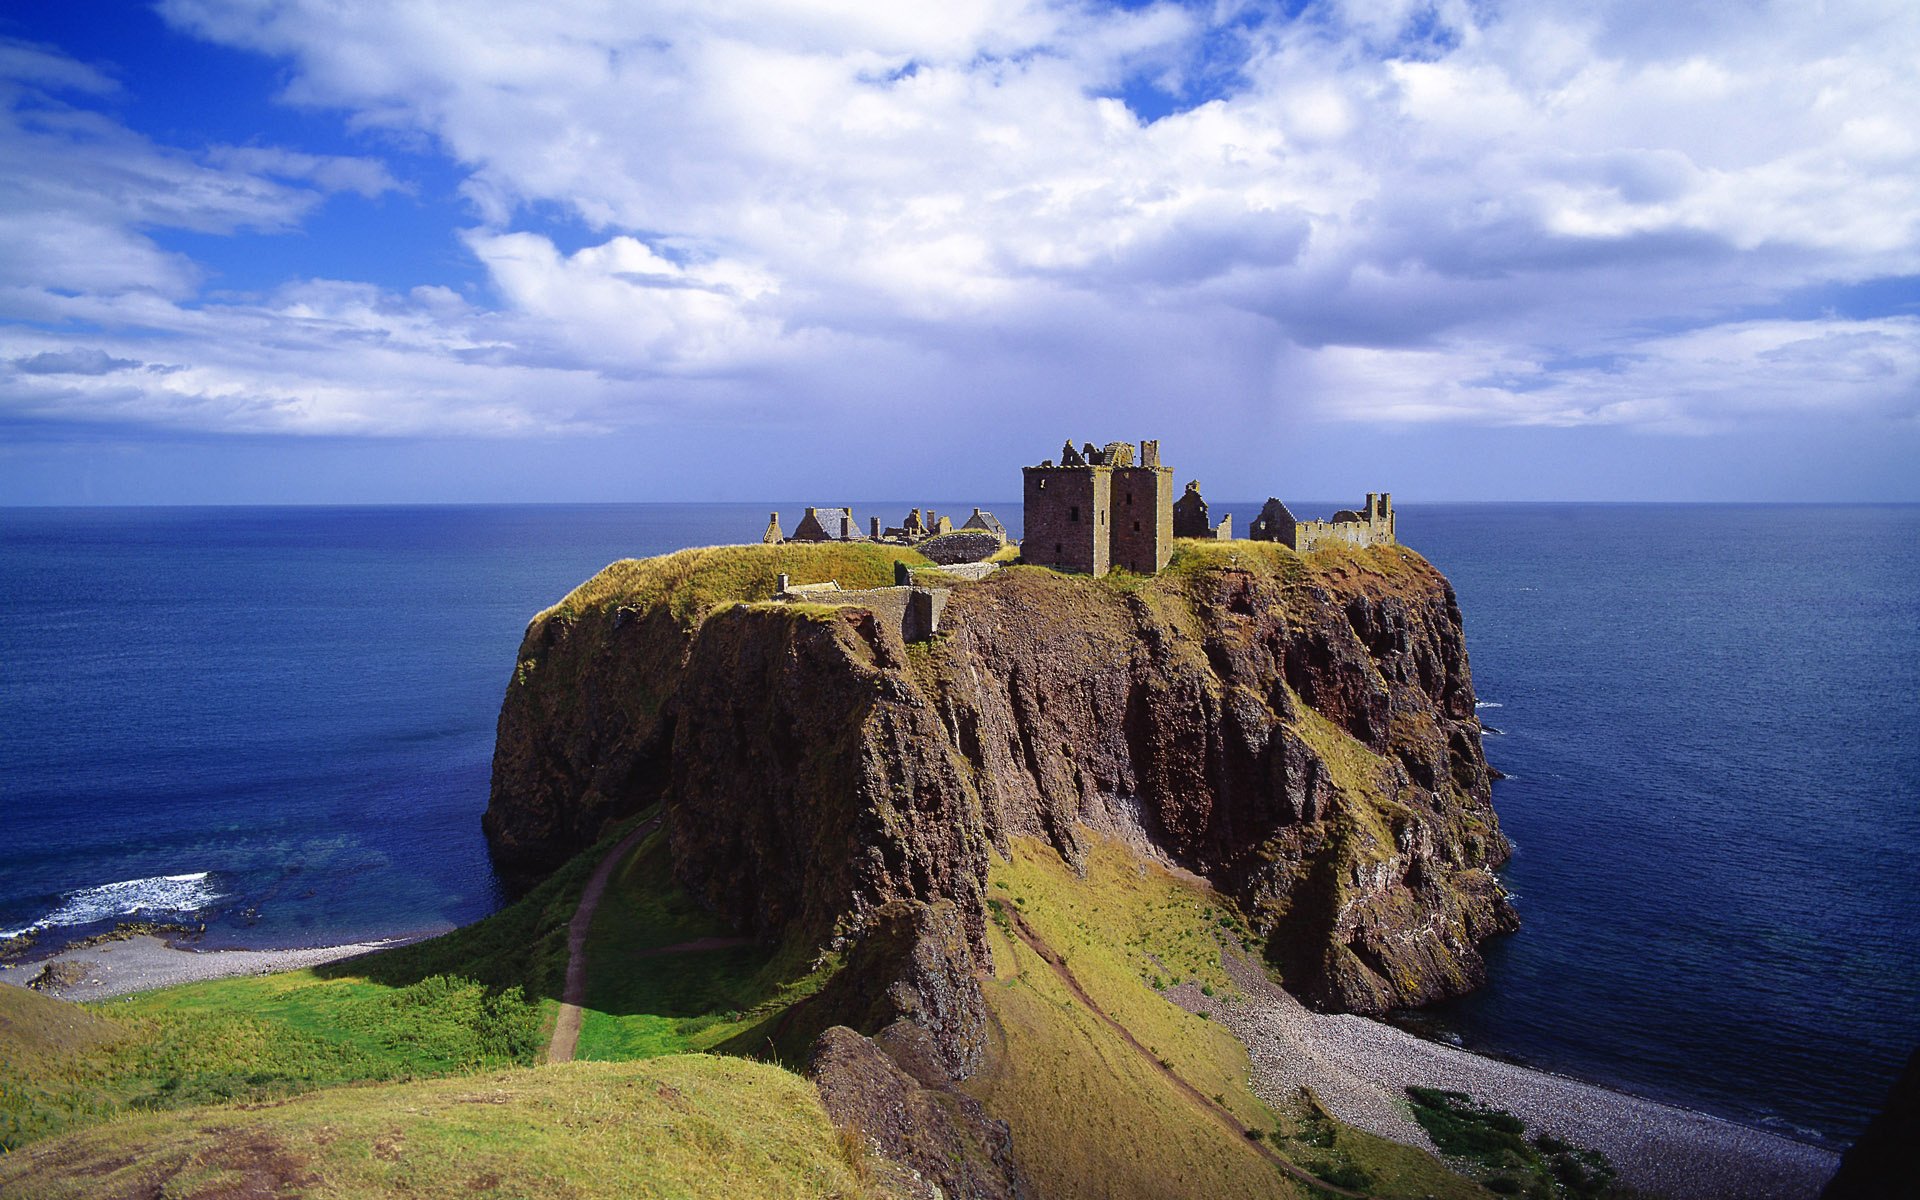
(1378, 210)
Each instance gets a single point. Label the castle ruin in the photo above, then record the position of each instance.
(1190, 517)
(1098, 510)
(1374, 527)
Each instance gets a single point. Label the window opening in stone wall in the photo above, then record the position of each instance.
(1073, 514)
(1058, 550)
(1136, 527)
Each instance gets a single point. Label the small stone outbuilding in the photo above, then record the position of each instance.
(827, 525)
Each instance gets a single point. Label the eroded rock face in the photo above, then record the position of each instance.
(940, 1141)
(1299, 730)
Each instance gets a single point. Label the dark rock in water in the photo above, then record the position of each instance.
(61, 974)
(1298, 729)
(1880, 1165)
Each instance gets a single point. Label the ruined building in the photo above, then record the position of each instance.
(987, 523)
(1375, 527)
(915, 528)
(1190, 517)
(1098, 510)
(827, 525)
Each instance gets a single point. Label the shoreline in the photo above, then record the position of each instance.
(145, 962)
(1359, 1070)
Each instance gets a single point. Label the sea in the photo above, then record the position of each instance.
(278, 723)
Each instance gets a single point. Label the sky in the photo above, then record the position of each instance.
(371, 251)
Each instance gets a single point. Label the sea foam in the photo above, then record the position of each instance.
(167, 894)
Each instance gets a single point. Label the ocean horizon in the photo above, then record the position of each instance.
(278, 722)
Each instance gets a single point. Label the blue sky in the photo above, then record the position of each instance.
(334, 251)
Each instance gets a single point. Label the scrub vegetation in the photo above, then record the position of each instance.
(1494, 1145)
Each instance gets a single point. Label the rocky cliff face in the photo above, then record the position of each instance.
(1299, 730)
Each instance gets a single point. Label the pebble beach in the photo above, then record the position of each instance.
(1360, 1069)
(143, 962)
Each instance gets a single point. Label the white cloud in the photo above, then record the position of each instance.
(1385, 211)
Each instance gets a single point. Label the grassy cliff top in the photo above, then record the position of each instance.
(692, 581)
(1332, 564)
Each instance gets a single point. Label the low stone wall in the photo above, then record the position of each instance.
(914, 611)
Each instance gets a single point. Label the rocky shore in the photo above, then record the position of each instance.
(144, 962)
(1359, 1069)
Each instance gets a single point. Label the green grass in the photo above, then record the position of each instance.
(1081, 1102)
(687, 1126)
(690, 582)
(476, 998)
(640, 1003)
(1494, 1143)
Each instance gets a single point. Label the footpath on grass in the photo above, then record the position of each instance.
(1038, 945)
(566, 1025)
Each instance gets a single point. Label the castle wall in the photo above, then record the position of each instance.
(1069, 518)
(1275, 523)
(1142, 508)
(914, 611)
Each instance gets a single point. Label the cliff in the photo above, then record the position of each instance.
(1299, 730)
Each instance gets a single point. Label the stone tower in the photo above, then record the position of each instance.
(1099, 509)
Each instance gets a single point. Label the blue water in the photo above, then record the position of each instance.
(280, 721)
(1710, 719)
(297, 702)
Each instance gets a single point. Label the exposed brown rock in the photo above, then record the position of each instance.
(1300, 730)
(941, 1141)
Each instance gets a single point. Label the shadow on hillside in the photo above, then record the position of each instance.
(633, 965)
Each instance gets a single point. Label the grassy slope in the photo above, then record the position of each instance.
(1079, 1100)
(472, 999)
(641, 1002)
(689, 1126)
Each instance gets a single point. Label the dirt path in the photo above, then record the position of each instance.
(566, 1025)
(1039, 946)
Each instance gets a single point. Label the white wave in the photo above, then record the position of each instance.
(1488, 704)
(128, 897)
